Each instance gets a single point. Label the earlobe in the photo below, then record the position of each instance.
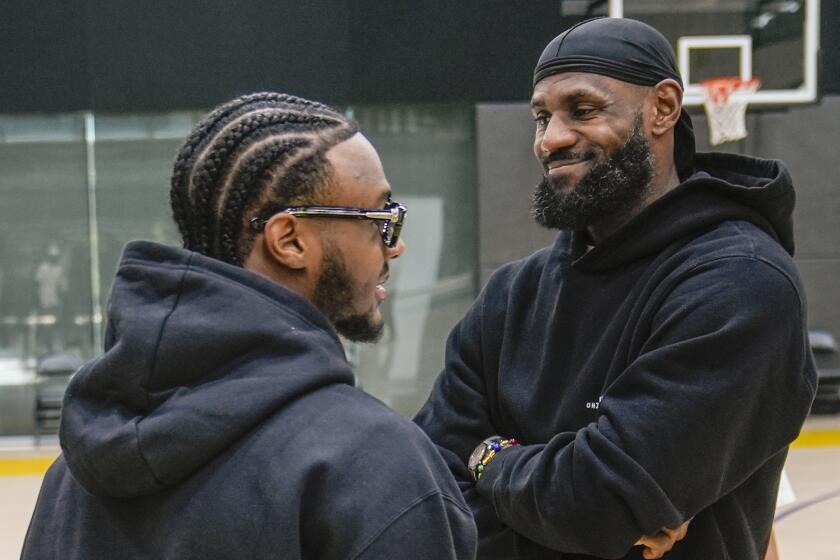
(668, 106)
(284, 241)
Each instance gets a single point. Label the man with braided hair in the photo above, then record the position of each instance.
(221, 422)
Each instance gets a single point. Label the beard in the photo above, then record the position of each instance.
(335, 295)
(609, 189)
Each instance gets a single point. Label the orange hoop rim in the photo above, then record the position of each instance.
(719, 89)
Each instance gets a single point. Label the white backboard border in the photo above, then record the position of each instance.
(806, 93)
(693, 90)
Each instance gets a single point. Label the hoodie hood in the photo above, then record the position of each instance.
(197, 352)
(723, 187)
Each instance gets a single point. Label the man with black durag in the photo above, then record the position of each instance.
(651, 367)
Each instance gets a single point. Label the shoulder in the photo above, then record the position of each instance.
(521, 277)
(366, 474)
(738, 238)
(732, 252)
(527, 267)
(731, 287)
(351, 435)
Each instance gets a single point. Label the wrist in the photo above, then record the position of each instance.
(485, 452)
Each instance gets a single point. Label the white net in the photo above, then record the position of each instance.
(726, 102)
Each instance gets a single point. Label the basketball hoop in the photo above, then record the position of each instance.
(725, 100)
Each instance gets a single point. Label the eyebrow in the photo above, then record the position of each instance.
(572, 97)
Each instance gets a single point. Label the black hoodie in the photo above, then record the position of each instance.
(656, 377)
(221, 422)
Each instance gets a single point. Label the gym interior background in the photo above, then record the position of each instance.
(96, 95)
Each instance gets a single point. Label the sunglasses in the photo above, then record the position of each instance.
(392, 217)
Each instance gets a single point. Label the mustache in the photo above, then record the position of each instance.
(567, 155)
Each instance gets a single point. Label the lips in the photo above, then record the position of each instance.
(381, 291)
(559, 160)
(556, 166)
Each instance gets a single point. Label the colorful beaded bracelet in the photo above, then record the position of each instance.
(485, 452)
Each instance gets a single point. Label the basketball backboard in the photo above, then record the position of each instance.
(776, 41)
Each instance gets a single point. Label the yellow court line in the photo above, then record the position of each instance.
(818, 438)
(37, 466)
(25, 466)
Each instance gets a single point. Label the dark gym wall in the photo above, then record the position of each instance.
(125, 56)
(153, 55)
(43, 57)
(128, 56)
(829, 46)
(440, 51)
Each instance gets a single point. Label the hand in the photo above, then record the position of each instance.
(657, 545)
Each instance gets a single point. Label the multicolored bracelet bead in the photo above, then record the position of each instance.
(485, 452)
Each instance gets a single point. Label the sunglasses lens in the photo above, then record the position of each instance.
(385, 232)
(395, 233)
(391, 229)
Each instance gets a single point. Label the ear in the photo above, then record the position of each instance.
(667, 105)
(285, 242)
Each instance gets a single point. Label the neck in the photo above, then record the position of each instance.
(297, 281)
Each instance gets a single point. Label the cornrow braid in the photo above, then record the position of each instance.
(239, 196)
(258, 152)
(194, 142)
(215, 163)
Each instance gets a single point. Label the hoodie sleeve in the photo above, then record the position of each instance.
(722, 385)
(457, 416)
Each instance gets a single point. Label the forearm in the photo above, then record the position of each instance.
(576, 496)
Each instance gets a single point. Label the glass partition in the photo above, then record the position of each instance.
(45, 290)
(134, 155)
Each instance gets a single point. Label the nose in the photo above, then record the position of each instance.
(396, 250)
(556, 136)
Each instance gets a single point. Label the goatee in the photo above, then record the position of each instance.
(611, 188)
(334, 296)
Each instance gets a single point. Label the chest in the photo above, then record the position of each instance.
(562, 345)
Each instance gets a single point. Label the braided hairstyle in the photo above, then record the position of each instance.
(252, 156)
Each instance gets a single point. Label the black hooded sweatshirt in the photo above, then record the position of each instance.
(222, 423)
(656, 377)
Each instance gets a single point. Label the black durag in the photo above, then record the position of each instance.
(627, 50)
